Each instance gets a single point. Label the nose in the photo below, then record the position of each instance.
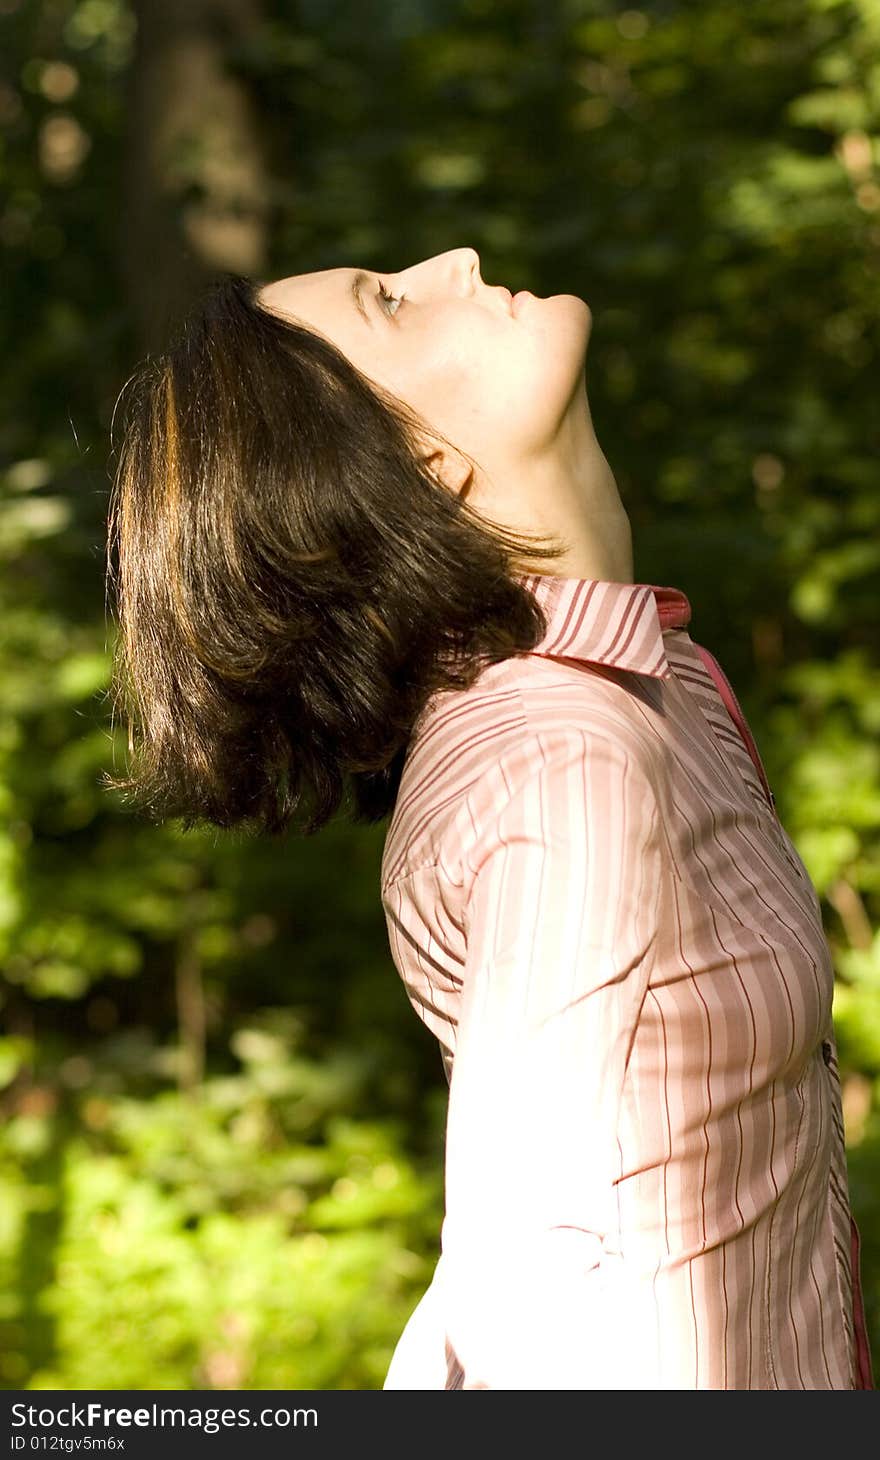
(457, 268)
(468, 260)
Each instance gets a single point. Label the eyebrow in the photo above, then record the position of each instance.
(358, 280)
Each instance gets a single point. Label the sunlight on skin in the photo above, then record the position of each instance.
(504, 380)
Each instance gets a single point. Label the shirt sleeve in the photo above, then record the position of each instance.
(561, 887)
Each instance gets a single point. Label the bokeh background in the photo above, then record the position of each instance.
(222, 1123)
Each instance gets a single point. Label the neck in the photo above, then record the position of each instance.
(573, 494)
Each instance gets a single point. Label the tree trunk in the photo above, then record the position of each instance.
(195, 185)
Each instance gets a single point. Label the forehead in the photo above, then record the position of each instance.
(298, 289)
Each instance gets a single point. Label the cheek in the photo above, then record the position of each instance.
(532, 391)
(499, 375)
(442, 376)
(523, 377)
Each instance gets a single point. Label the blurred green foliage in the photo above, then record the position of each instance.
(259, 1234)
(221, 1143)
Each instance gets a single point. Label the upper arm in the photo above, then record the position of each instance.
(560, 917)
(562, 887)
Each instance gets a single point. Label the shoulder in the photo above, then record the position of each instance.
(527, 722)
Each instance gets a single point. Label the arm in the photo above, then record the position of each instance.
(561, 888)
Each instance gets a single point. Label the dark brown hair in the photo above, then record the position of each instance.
(291, 581)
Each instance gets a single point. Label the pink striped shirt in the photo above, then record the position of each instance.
(594, 907)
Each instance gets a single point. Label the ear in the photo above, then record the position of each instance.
(451, 469)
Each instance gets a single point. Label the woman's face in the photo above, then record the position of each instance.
(497, 380)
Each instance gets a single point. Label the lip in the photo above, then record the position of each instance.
(519, 298)
(508, 297)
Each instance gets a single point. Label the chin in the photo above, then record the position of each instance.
(579, 308)
(568, 321)
(568, 311)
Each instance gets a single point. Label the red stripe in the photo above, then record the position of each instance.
(725, 689)
(863, 1352)
(631, 1039)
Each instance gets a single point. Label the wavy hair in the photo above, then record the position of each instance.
(290, 580)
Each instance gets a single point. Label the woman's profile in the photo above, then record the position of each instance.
(367, 551)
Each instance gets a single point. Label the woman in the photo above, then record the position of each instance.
(368, 540)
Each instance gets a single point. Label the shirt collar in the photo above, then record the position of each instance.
(619, 624)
